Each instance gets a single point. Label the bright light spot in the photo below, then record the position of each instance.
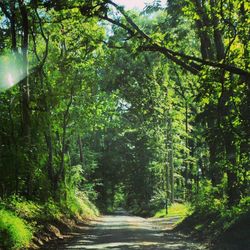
(10, 80)
(11, 70)
(131, 4)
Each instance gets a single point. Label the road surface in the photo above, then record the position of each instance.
(130, 232)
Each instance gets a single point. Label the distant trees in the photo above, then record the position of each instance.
(219, 32)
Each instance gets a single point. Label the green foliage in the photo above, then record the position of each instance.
(51, 210)
(212, 217)
(209, 198)
(119, 197)
(79, 206)
(120, 127)
(24, 208)
(19, 217)
(225, 227)
(175, 210)
(14, 231)
(159, 199)
(88, 209)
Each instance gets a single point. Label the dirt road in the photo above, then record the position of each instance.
(130, 232)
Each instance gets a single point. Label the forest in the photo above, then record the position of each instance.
(102, 107)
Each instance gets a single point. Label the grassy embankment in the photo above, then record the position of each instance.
(221, 226)
(175, 210)
(26, 223)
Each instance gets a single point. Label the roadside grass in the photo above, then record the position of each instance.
(80, 206)
(175, 210)
(15, 232)
(221, 226)
(21, 219)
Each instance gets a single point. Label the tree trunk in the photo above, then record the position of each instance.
(14, 147)
(218, 39)
(25, 93)
(186, 145)
(167, 174)
(61, 173)
(80, 150)
(202, 26)
(50, 171)
(171, 164)
(233, 190)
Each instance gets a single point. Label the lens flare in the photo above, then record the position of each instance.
(10, 80)
(11, 70)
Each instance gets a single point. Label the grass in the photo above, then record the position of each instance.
(20, 218)
(15, 233)
(176, 209)
(80, 206)
(223, 227)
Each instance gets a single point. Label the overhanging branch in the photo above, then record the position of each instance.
(176, 57)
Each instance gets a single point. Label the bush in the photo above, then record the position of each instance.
(51, 210)
(213, 218)
(14, 232)
(28, 210)
(158, 200)
(20, 218)
(79, 205)
(210, 199)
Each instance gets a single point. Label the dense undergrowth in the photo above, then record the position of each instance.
(214, 220)
(14, 231)
(210, 218)
(221, 228)
(20, 219)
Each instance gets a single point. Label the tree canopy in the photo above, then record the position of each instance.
(133, 109)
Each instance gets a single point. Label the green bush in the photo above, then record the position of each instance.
(209, 199)
(88, 208)
(51, 210)
(19, 218)
(79, 205)
(213, 217)
(14, 232)
(158, 200)
(23, 208)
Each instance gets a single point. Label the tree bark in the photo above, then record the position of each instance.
(80, 150)
(167, 174)
(186, 144)
(171, 163)
(25, 93)
(233, 190)
(218, 39)
(50, 171)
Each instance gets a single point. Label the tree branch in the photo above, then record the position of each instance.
(173, 55)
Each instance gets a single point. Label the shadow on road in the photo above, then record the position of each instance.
(129, 232)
